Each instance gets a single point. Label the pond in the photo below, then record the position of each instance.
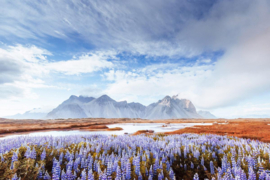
(127, 128)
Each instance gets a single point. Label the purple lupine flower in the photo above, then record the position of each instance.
(33, 154)
(191, 165)
(27, 154)
(171, 174)
(212, 170)
(83, 175)
(109, 169)
(47, 176)
(168, 166)
(40, 174)
(14, 157)
(196, 176)
(63, 175)
(56, 171)
(251, 174)
(140, 176)
(151, 171)
(69, 174)
(202, 161)
(11, 165)
(160, 176)
(128, 171)
(90, 175)
(43, 155)
(15, 177)
(137, 166)
(118, 173)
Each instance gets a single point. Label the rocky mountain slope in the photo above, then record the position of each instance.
(171, 108)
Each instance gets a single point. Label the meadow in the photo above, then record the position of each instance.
(151, 157)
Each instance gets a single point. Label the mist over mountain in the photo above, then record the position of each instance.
(37, 113)
(207, 115)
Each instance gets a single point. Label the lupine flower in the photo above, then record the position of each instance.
(15, 177)
(202, 161)
(212, 170)
(128, 171)
(14, 157)
(43, 155)
(33, 154)
(171, 174)
(191, 165)
(196, 176)
(47, 176)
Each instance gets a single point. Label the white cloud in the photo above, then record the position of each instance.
(84, 64)
(24, 68)
(241, 73)
(157, 83)
(21, 67)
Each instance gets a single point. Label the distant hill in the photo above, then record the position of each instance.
(37, 113)
(207, 115)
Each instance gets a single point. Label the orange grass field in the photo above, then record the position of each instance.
(258, 130)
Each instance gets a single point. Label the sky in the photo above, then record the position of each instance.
(215, 53)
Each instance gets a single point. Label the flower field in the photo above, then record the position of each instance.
(186, 156)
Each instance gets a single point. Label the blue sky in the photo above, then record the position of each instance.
(215, 53)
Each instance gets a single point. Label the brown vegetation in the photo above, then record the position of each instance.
(115, 129)
(143, 132)
(251, 128)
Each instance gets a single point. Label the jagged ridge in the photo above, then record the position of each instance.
(106, 107)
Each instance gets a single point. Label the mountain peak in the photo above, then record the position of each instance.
(73, 97)
(104, 98)
(83, 99)
(166, 97)
(166, 101)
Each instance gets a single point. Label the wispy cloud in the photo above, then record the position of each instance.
(155, 28)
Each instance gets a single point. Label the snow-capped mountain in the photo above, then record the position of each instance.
(106, 107)
(71, 108)
(206, 115)
(171, 108)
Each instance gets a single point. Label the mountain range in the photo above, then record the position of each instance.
(106, 107)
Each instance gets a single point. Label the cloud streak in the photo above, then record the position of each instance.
(154, 28)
